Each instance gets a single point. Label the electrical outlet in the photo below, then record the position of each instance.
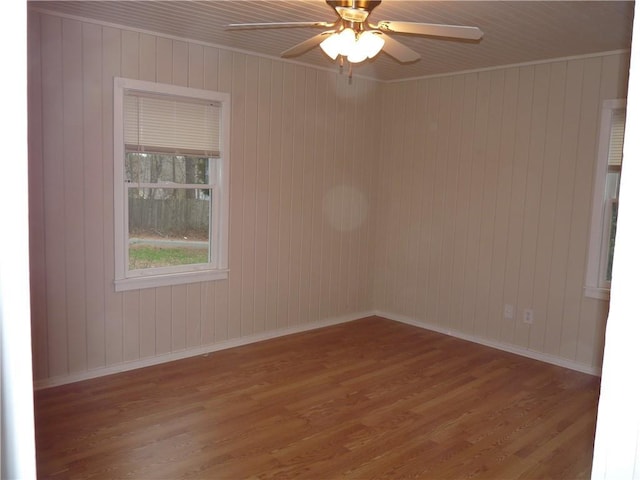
(528, 316)
(508, 311)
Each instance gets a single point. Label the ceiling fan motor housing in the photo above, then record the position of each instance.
(367, 5)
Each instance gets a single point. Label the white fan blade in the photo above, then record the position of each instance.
(305, 46)
(399, 51)
(431, 29)
(255, 26)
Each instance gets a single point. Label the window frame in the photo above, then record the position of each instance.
(596, 284)
(217, 268)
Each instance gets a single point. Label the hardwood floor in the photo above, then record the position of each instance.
(367, 399)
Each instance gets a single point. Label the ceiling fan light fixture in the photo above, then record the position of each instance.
(356, 48)
(331, 46)
(372, 42)
(347, 39)
(341, 43)
(368, 45)
(357, 55)
(359, 51)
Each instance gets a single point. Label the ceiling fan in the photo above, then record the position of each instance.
(352, 38)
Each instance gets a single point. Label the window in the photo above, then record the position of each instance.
(170, 184)
(605, 200)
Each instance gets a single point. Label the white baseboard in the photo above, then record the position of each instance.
(193, 352)
(524, 352)
(236, 342)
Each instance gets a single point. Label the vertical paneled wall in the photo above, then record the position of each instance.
(485, 190)
(436, 200)
(303, 143)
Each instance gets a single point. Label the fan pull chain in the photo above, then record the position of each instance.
(341, 66)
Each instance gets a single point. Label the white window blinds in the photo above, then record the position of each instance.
(174, 124)
(616, 138)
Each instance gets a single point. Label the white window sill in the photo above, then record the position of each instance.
(152, 281)
(596, 292)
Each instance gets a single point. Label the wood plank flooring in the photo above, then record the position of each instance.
(367, 399)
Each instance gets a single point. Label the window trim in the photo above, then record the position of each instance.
(595, 284)
(219, 215)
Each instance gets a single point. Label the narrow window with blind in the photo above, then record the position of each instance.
(170, 184)
(605, 200)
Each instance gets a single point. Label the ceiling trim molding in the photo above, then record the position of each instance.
(513, 65)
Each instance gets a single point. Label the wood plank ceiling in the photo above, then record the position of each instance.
(515, 31)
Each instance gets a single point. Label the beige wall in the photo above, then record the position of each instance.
(300, 228)
(433, 201)
(485, 187)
